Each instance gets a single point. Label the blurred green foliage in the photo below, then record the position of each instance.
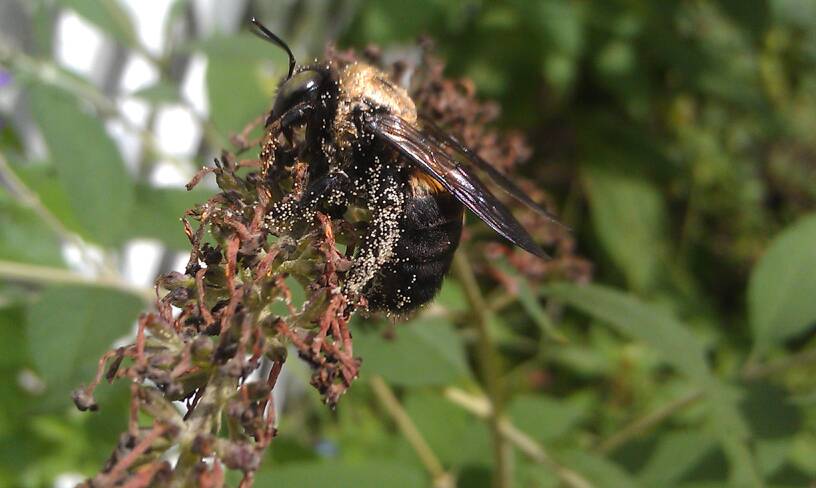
(677, 137)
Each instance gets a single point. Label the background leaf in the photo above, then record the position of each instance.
(439, 421)
(88, 164)
(678, 347)
(675, 456)
(161, 92)
(648, 323)
(14, 401)
(628, 216)
(43, 180)
(426, 352)
(547, 419)
(780, 293)
(25, 238)
(157, 213)
(69, 328)
(598, 470)
(240, 80)
(107, 15)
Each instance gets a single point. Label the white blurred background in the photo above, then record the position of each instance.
(162, 139)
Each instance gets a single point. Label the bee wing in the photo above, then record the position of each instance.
(429, 154)
(468, 155)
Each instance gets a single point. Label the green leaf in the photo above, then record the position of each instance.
(561, 25)
(803, 452)
(376, 22)
(42, 179)
(45, 446)
(801, 13)
(771, 412)
(449, 430)
(547, 419)
(534, 475)
(88, 164)
(451, 297)
(780, 292)
(241, 47)
(774, 420)
(240, 81)
(602, 472)
(9, 139)
(648, 323)
(424, 352)
(752, 15)
(373, 474)
(71, 327)
(161, 92)
(530, 301)
(676, 455)
(157, 213)
(107, 15)
(287, 449)
(24, 237)
(682, 350)
(15, 403)
(13, 354)
(628, 216)
(104, 427)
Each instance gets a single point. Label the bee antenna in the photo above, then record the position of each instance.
(267, 35)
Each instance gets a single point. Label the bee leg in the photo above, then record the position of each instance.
(386, 202)
(329, 193)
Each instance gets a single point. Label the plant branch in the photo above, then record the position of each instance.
(31, 273)
(481, 407)
(643, 424)
(441, 478)
(753, 371)
(30, 199)
(491, 370)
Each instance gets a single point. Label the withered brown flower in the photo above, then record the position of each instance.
(215, 327)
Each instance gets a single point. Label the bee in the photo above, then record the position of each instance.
(366, 144)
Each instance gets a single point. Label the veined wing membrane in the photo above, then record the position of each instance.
(430, 156)
(446, 140)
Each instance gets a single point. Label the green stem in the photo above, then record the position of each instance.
(441, 478)
(30, 199)
(491, 370)
(643, 424)
(31, 273)
(481, 407)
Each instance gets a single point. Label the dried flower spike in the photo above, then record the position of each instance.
(306, 213)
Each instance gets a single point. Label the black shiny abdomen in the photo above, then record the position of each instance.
(431, 230)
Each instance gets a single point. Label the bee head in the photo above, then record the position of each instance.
(301, 93)
(304, 89)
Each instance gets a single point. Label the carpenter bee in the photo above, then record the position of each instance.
(366, 144)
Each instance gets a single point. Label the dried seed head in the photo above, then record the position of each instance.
(220, 321)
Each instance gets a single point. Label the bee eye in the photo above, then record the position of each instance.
(303, 86)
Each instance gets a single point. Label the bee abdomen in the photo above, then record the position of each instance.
(430, 235)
